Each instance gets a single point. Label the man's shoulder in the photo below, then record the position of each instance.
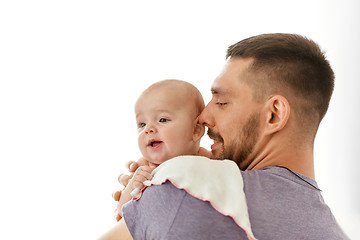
(277, 196)
(279, 175)
(167, 212)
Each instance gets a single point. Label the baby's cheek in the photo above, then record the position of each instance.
(178, 149)
(142, 148)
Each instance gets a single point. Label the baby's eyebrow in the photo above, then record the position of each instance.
(166, 111)
(156, 111)
(137, 115)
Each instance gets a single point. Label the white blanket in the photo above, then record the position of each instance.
(217, 181)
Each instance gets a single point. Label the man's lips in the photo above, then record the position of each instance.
(218, 140)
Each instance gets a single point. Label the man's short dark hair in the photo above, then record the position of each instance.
(288, 61)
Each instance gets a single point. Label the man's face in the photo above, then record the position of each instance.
(232, 117)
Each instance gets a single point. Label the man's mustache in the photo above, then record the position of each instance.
(214, 135)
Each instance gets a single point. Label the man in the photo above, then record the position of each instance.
(266, 108)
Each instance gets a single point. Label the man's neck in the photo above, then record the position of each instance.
(298, 159)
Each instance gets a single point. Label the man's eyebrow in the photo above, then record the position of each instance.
(216, 90)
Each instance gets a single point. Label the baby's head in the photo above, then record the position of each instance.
(166, 117)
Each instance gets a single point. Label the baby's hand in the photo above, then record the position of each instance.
(203, 152)
(136, 183)
(141, 174)
(122, 196)
(124, 178)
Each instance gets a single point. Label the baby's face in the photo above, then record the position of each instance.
(165, 121)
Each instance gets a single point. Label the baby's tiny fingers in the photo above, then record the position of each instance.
(145, 171)
(142, 176)
(147, 175)
(142, 162)
(123, 179)
(117, 215)
(132, 166)
(116, 195)
(137, 184)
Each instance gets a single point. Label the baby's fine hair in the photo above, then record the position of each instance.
(190, 90)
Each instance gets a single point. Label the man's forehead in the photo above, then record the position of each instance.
(232, 76)
(221, 86)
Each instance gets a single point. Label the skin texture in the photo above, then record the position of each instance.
(166, 117)
(255, 134)
(119, 231)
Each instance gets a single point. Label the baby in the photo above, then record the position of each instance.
(167, 121)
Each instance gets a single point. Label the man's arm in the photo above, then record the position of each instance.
(119, 231)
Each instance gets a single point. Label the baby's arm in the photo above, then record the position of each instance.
(141, 174)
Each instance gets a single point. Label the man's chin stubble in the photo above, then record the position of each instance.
(219, 156)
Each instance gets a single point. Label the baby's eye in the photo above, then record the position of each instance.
(162, 120)
(141, 125)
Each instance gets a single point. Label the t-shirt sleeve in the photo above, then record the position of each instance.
(154, 213)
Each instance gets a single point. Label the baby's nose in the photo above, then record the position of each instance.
(150, 129)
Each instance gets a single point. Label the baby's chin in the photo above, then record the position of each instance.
(157, 161)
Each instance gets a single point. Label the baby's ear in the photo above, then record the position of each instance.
(199, 130)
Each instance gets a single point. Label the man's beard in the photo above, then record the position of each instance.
(239, 149)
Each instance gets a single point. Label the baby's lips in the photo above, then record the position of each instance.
(151, 141)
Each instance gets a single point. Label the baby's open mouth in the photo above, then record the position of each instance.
(155, 143)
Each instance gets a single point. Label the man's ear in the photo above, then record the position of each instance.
(277, 113)
(199, 131)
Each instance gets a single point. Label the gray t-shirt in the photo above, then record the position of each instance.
(282, 205)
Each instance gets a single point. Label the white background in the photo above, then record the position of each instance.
(70, 73)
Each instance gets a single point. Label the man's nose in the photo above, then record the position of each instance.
(205, 117)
